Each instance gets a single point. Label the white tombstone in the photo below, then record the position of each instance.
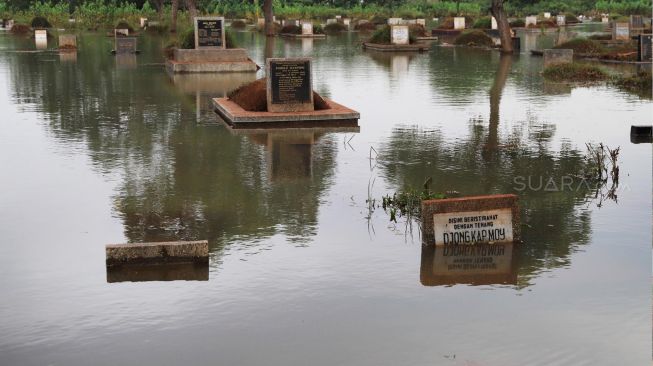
(9, 24)
(332, 21)
(260, 22)
(338, 17)
(124, 32)
(547, 15)
(346, 22)
(394, 21)
(143, 22)
(605, 20)
(307, 27)
(459, 23)
(421, 22)
(494, 23)
(399, 34)
(560, 20)
(530, 20)
(41, 35)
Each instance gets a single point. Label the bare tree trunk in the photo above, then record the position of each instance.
(192, 8)
(267, 13)
(505, 33)
(175, 7)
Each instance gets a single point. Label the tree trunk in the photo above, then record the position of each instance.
(192, 8)
(505, 33)
(267, 13)
(492, 143)
(175, 7)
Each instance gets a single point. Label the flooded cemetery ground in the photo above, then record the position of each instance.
(305, 266)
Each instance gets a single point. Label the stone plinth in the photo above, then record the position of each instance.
(415, 47)
(211, 55)
(158, 272)
(558, 57)
(210, 60)
(67, 41)
(152, 253)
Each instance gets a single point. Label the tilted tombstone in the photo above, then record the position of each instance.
(558, 57)
(399, 34)
(459, 23)
(644, 52)
(530, 20)
(307, 28)
(125, 45)
(620, 31)
(289, 85)
(561, 20)
(209, 33)
(67, 40)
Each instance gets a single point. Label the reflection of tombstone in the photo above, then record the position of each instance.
(307, 28)
(68, 56)
(558, 57)
(67, 41)
(560, 20)
(399, 64)
(399, 34)
(41, 44)
(289, 85)
(159, 272)
(494, 23)
(547, 15)
(644, 47)
(307, 45)
(459, 23)
(516, 43)
(126, 61)
(209, 33)
(621, 31)
(290, 155)
(484, 264)
(530, 20)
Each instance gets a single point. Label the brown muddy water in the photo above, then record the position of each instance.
(96, 149)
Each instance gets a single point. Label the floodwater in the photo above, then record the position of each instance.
(96, 149)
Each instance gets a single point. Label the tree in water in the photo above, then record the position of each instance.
(505, 33)
(267, 13)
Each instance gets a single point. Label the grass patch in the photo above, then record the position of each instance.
(238, 24)
(483, 23)
(40, 23)
(582, 46)
(474, 38)
(640, 84)
(334, 28)
(573, 72)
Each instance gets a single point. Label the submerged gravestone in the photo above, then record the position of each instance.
(621, 31)
(459, 23)
(289, 85)
(125, 45)
(399, 34)
(157, 253)
(558, 57)
(209, 33)
(67, 41)
(471, 220)
(644, 52)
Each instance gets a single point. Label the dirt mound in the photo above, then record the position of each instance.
(253, 97)
(20, 29)
(474, 38)
(365, 26)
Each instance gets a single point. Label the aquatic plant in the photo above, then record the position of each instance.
(640, 83)
(574, 72)
(408, 203)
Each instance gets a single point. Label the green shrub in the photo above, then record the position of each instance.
(474, 38)
(571, 18)
(573, 72)
(641, 83)
(383, 36)
(238, 24)
(317, 29)
(601, 37)
(291, 29)
(369, 26)
(379, 20)
(334, 28)
(582, 46)
(483, 23)
(518, 23)
(417, 30)
(40, 22)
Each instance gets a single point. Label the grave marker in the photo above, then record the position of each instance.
(471, 220)
(621, 31)
(494, 23)
(459, 23)
(547, 15)
(421, 22)
(346, 22)
(120, 32)
(644, 52)
(289, 85)
(558, 57)
(143, 22)
(307, 28)
(394, 21)
(399, 34)
(530, 20)
(605, 20)
(561, 20)
(125, 45)
(209, 33)
(41, 35)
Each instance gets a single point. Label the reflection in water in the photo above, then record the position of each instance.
(41, 43)
(307, 45)
(397, 63)
(68, 57)
(486, 264)
(159, 272)
(126, 61)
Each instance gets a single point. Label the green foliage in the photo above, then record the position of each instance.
(483, 23)
(640, 84)
(408, 203)
(642, 7)
(518, 23)
(40, 22)
(582, 46)
(291, 29)
(334, 28)
(474, 38)
(382, 36)
(238, 24)
(573, 72)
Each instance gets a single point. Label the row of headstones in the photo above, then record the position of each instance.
(564, 56)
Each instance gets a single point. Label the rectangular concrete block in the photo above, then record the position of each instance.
(531, 20)
(154, 253)
(211, 55)
(67, 40)
(459, 23)
(620, 31)
(558, 57)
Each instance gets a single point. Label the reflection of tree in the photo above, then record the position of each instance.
(554, 225)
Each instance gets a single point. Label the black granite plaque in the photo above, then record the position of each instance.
(125, 45)
(291, 83)
(209, 32)
(644, 52)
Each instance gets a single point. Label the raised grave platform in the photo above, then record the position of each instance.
(291, 35)
(211, 60)
(416, 47)
(236, 116)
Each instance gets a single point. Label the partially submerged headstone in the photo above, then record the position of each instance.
(67, 41)
(621, 31)
(121, 32)
(530, 20)
(561, 20)
(494, 23)
(558, 57)
(125, 45)
(399, 34)
(209, 33)
(459, 23)
(152, 253)
(471, 220)
(641, 134)
(307, 28)
(289, 85)
(644, 52)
